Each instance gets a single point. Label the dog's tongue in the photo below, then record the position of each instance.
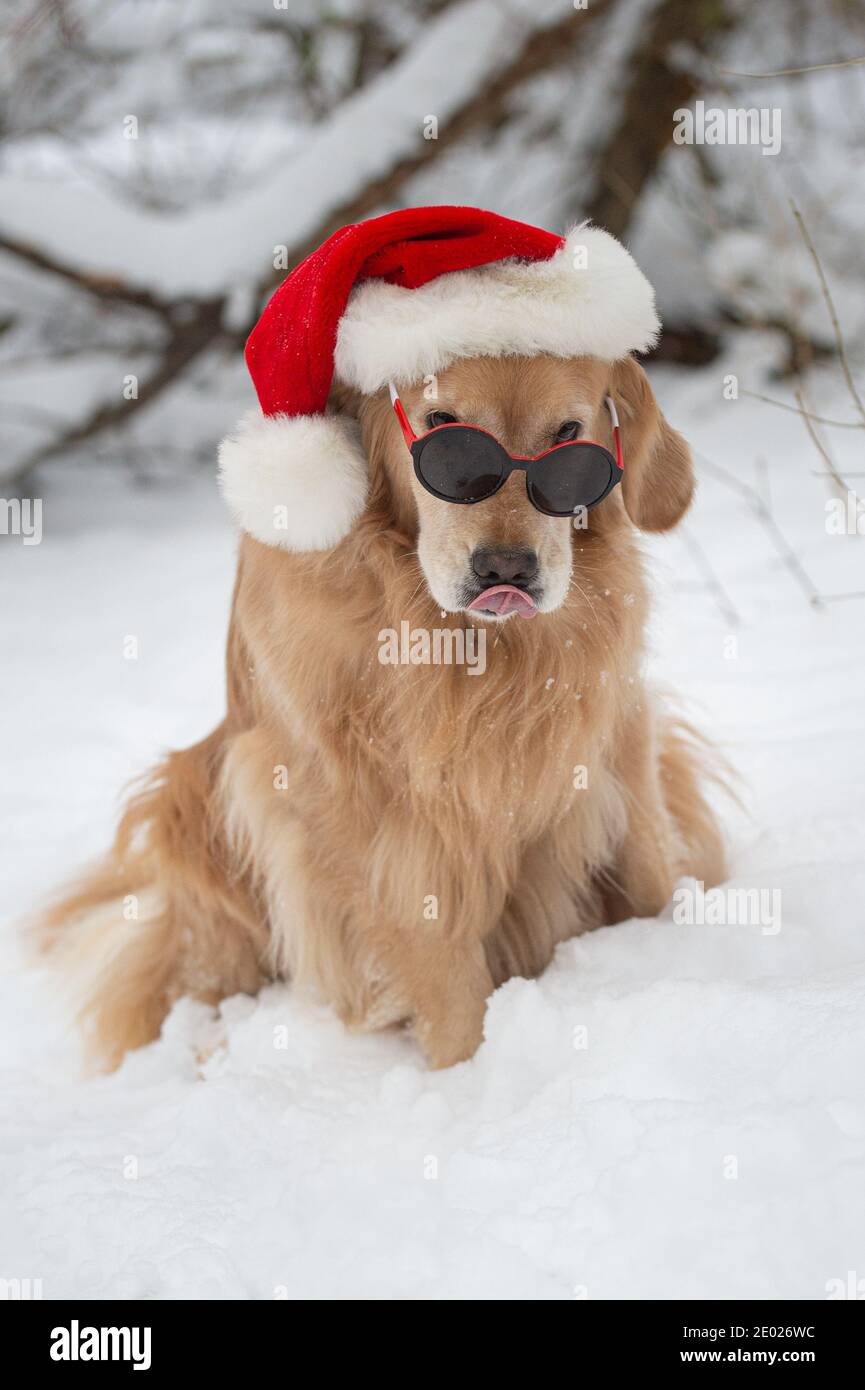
(503, 599)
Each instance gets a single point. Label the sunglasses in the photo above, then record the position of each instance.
(465, 464)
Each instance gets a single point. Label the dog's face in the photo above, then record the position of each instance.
(529, 405)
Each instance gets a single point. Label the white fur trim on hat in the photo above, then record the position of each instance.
(296, 482)
(588, 299)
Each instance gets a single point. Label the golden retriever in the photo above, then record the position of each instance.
(402, 838)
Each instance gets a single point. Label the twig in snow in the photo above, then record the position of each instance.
(713, 583)
(761, 468)
(728, 478)
(821, 447)
(840, 598)
(788, 554)
(797, 410)
(830, 305)
(767, 520)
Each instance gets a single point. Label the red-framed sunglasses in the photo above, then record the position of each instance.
(465, 464)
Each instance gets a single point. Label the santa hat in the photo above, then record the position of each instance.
(398, 298)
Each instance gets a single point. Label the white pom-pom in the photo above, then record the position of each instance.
(299, 482)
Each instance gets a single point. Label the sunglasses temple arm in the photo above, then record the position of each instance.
(614, 416)
(408, 433)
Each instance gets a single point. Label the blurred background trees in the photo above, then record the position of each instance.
(163, 164)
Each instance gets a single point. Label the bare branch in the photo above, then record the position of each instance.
(787, 553)
(767, 520)
(542, 51)
(726, 605)
(821, 447)
(830, 305)
(103, 287)
(657, 86)
(187, 342)
(796, 72)
(201, 326)
(797, 410)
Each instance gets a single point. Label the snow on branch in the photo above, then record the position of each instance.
(199, 252)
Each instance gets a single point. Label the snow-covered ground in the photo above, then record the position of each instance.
(671, 1110)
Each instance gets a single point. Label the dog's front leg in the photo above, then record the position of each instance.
(424, 908)
(443, 982)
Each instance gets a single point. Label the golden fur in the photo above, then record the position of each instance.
(309, 834)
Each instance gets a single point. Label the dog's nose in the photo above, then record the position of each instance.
(516, 567)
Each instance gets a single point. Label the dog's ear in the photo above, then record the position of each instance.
(658, 481)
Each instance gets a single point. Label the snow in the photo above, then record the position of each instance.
(670, 1111)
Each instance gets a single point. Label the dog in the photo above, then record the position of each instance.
(403, 838)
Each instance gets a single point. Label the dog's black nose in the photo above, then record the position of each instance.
(517, 567)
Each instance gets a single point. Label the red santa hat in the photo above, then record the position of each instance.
(398, 298)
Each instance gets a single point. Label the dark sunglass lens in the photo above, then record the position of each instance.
(568, 478)
(461, 464)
